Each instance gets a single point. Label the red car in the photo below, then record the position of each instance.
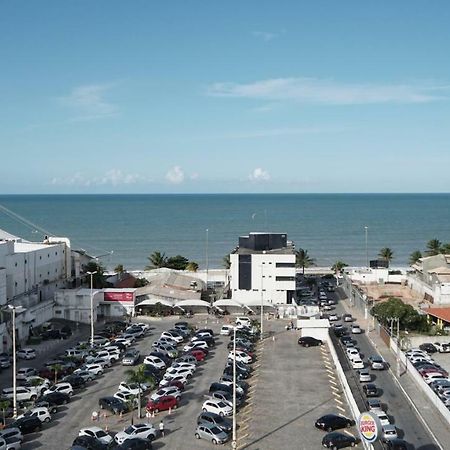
(198, 354)
(432, 370)
(162, 404)
(177, 384)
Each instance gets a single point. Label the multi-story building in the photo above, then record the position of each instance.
(30, 273)
(263, 270)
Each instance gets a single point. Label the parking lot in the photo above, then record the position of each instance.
(293, 386)
(179, 425)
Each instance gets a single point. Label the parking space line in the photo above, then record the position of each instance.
(348, 433)
(338, 401)
(243, 437)
(332, 381)
(340, 408)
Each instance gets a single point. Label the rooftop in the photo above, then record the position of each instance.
(439, 313)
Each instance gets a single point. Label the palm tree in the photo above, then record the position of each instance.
(414, 257)
(338, 266)
(303, 260)
(192, 266)
(56, 368)
(387, 254)
(139, 377)
(434, 247)
(226, 261)
(157, 260)
(445, 249)
(119, 269)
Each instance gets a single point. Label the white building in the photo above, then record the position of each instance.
(30, 273)
(263, 270)
(431, 279)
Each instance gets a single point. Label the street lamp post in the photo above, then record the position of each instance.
(366, 228)
(262, 302)
(234, 389)
(206, 256)
(92, 306)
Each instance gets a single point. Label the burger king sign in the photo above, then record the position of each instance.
(369, 427)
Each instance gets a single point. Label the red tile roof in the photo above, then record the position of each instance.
(127, 282)
(440, 313)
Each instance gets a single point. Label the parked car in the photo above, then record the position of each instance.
(131, 358)
(211, 433)
(442, 347)
(23, 393)
(309, 341)
(338, 440)
(357, 363)
(26, 353)
(217, 407)
(155, 361)
(140, 430)
(356, 329)
(56, 398)
(210, 418)
(27, 425)
(428, 347)
(133, 388)
(88, 443)
(97, 433)
(76, 381)
(365, 376)
(172, 391)
(136, 444)
(40, 412)
(370, 390)
(382, 417)
(374, 403)
(226, 330)
(331, 422)
(396, 444)
(163, 403)
(65, 388)
(113, 404)
(388, 432)
(24, 372)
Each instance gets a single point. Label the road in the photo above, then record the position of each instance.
(398, 408)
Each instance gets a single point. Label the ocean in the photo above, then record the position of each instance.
(329, 226)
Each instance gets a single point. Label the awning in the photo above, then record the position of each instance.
(257, 302)
(155, 301)
(193, 302)
(227, 302)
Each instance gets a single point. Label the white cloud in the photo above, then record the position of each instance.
(266, 36)
(259, 174)
(175, 175)
(113, 177)
(88, 102)
(194, 176)
(322, 91)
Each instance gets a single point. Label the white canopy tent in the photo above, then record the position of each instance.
(193, 302)
(154, 301)
(227, 302)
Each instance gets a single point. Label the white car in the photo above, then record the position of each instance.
(243, 320)
(40, 412)
(443, 347)
(333, 317)
(175, 337)
(433, 376)
(155, 361)
(125, 341)
(140, 431)
(22, 393)
(356, 329)
(23, 373)
(239, 389)
(13, 435)
(99, 340)
(389, 432)
(382, 417)
(353, 353)
(195, 344)
(240, 357)
(167, 390)
(182, 378)
(365, 376)
(127, 398)
(96, 369)
(218, 407)
(97, 433)
(110, 356)
(165, 340)
(26, 353)
(184, 371)
(187, 365)
(357, 363)
(226, 330)
(38, 383)
(65, 388)
(133, 388)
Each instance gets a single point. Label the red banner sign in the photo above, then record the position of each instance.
(118, 296)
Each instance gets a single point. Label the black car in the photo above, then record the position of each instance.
(27, 424)
(54, 334)
(240, 374)
(428, 347)
(56, 398)
(135, 444)
(331, 422)
(338, 440)
(396, 444)
(370, 390)
(153, 372)
(309, 341)
(113, 404)
(75, 381)
(210, 418)
(241, 383)
(88, 443)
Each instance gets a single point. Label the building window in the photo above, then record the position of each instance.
(285, 264)
(255, 290)
(15, 264)
(56, 253)
(40, 257)
(48, 255)
(15, 284)
(48, 273)
(25, 261)
(285, 278)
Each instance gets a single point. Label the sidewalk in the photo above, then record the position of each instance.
(430, 417)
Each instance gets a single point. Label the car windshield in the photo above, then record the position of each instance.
(100, 434)
(215, 430)
(129, 430)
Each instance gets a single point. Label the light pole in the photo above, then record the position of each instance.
(234, 389)
(92, 306)
(366, 228)
(13, 311)
(262, 302)
(206, 255)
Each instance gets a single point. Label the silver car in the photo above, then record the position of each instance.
(211, 433)
(130, 358)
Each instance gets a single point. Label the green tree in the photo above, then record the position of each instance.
(119, 269)
(177, 262)
(98, 279)
(433, 247)
(56, 368)
(303, 260)
(157, 260)
(4, 405)
(414, 257)
(445, 249)
(338, 266)
(386, 254)
(192, 266)
(139, 377)
(140, 282)
(226, 261)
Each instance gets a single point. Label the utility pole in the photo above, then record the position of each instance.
(262, 303)
(234, 442)
(366, 228)
(206, 256)
(92, 306)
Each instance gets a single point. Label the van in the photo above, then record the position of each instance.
(226, 330)
(243, 321)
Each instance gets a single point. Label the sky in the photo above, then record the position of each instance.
(140, 96)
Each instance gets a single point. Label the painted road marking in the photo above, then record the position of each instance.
(340, 408)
